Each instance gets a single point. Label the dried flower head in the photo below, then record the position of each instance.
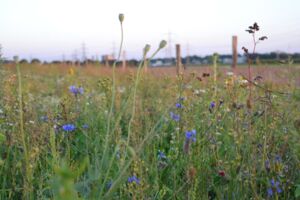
(249, 31)
(192, 172)
(263, 38)
(121, 17)
(162, 44)
(245, 50)
(146, 49)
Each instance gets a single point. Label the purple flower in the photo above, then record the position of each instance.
(85, 126)
(109, 184)
(161, 155)
(76, 90)
(279, 190)
(212, 105)
(174, 116)
(179, 105)
(191, 135)
(267, 165)
(275, 185)
(278, 158)
(272, 182)
(270, 192)
(181, 98)
(68, 127)
(133, 179)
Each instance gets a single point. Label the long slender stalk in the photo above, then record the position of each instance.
(112, 99)
(134, 93)
(26, 194)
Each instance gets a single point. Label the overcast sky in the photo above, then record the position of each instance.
(47, 29)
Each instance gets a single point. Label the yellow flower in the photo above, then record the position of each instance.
(71, 71)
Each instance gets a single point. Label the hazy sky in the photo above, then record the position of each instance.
(47, 29)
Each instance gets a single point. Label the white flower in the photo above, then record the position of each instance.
(229, 73)
(121, 89)
(244, 81)
(196, 92)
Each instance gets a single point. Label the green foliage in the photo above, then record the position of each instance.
(297, 191)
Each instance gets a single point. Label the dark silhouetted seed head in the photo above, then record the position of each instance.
(263, 38)
(245, 50)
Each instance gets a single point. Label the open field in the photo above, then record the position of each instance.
(71, 132)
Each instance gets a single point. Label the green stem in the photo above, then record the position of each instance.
(134, 93)
(112, 100)
(26, 194)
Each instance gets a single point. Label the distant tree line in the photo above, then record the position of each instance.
(266, 58)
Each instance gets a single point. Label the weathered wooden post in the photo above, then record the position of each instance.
(106, 61)
(145, 65)
(215, 64)
(178, 59)
(234, 52)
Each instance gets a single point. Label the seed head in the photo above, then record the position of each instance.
(263, 38)
(162, 44)
(146, 49)
(245, 50)
(121, 17)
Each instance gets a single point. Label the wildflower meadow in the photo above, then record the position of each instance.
(91, 132)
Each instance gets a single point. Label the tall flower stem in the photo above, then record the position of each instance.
(26, 193)
(110, 114)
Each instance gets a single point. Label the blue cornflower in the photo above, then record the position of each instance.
(179, 105)
(109, 184)
(181, 99)
(68, 127)
(161, 155)
(85, 126)
(76, 90)
(278, 158)
(272, 182)
(267, 165)
(212, 105)
(174, 116)
(276, 185)
(270, 192)
(191, 135)
(133, 179)
(278, 189)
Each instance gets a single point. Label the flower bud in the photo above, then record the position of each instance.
(121, 17)
(146, 49)
(162, 44)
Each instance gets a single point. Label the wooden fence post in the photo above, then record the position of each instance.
(215, 64)
(234, 52)
(106, 61)
(178, 59)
